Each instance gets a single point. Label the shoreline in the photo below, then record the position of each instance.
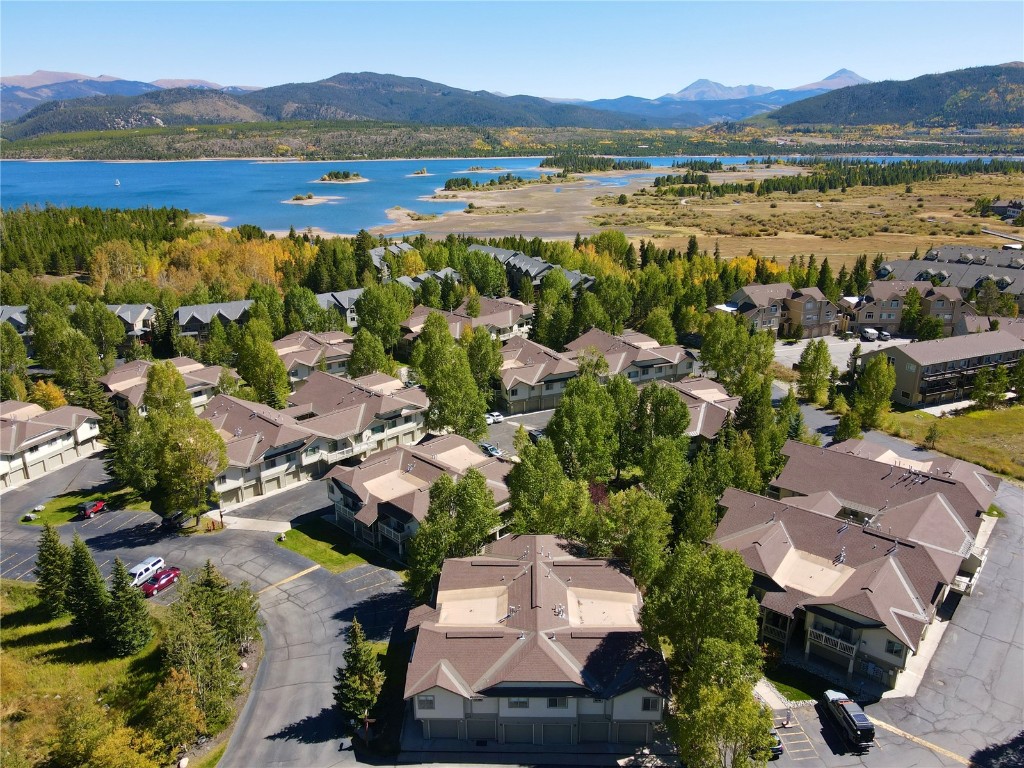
(315, 200)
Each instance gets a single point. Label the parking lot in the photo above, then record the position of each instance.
(788, 354)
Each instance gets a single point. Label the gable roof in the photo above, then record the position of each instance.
(708, 402)
(826, 561)
(527, 362)
(956, 347)
(398, 479)
(305, 348)
(128, 381)
(631, 349)
(23, 425)
(230, 311)
(870, 486)
(528, 612)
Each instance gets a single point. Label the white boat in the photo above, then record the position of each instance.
(117, 182)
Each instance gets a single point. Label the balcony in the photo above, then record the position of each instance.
(391, 533)
(827, 640)
(774, 633)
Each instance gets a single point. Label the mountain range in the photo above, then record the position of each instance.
(47, 102)
(979, 95)
(20, 94)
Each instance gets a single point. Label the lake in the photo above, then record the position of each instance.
(254, 191)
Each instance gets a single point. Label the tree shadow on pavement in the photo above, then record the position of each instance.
(143, 534)
(1009, 754)
(325, 725)
(379, 613)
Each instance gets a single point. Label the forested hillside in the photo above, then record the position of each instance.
(967, 97)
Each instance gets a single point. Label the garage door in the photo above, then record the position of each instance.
(442, 729)
(272, 484)
(558, 734)
(633, 733)
(591, 732)
(53, 462)
(482, 729)
(518, 734)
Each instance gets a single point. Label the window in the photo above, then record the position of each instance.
(514, 392)
(558, 702)
(896, 649)
(548, 387)
(940, 303)
(651, 704)
(774, 308)
(894, 303)
(904, 394)
(911, 367)
(424, 702)
(869, 316)
(633, 374)
(518, 703)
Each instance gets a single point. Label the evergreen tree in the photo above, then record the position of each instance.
(848, 427)
(359, 682)
(129, 627)
(87, 601)
(53, 571)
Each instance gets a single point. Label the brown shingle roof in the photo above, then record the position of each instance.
(871, 485)
(956, 347)
(527, 627)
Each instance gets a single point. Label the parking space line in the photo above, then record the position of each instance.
(373, 586)
(363, 575)
(24, 573)
(108, 521)
(19, 564)
(122, 525)
(293, 577)
(7, 558)
(917, 740)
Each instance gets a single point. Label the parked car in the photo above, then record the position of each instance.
(776, 747)
(144, 570)
(491, 450)
(869, 334)
(160, 580)
(855, 726)
(535, 435)
(494, 418)
(89, 509)
(884, 336)
(176, 521)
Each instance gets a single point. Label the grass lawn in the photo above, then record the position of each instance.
(211, 760)
(42, 659)
(325, 544)
(784, 373)
(796, 684)
(64, 508)
(993, 439)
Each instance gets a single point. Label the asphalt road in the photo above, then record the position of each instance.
(288, 719)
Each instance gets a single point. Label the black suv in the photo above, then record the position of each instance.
(176, 521)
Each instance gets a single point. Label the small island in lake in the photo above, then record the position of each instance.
(310, 199)
(420, 172)
(341, 177)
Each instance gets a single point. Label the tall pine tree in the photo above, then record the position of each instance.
(128, 624)
(53, 571)
(87, 601)
(359, 682)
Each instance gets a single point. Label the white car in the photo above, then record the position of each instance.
(494, 418)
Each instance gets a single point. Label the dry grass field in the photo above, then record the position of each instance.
(838, 225)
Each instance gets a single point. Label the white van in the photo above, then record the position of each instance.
(145, 569)
(869, 334)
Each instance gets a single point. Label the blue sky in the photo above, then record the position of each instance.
(578, 49)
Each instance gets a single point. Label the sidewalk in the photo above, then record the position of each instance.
(251, 524)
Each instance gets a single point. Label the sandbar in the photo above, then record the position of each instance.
(315, 200)
(339, 181)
